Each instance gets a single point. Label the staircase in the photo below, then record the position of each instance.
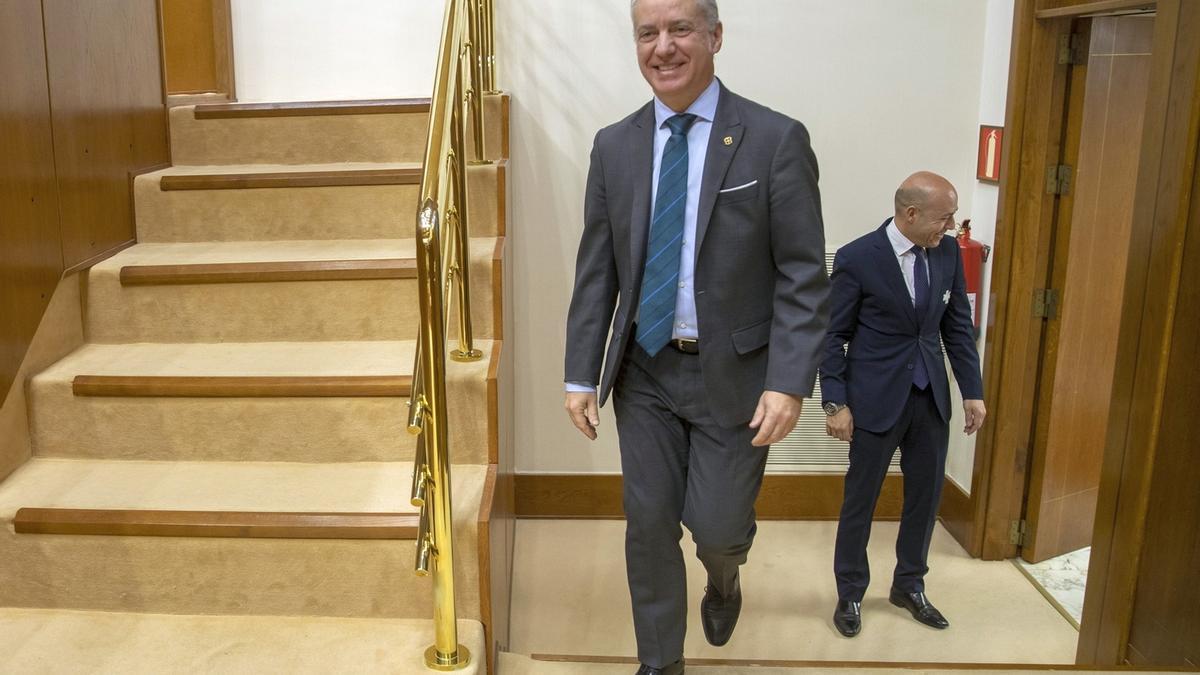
(230, 446)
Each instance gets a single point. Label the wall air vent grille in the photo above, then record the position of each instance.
(807, 449)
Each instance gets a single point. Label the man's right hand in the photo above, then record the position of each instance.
(841, 425)
(584, 413)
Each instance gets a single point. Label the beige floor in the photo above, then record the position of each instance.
(570, 597)
(516, 664)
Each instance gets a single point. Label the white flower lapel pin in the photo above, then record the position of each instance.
(946, 298)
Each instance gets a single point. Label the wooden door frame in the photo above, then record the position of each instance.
(1167, 178)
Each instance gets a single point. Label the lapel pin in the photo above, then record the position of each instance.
(946, 297)
(729, 140)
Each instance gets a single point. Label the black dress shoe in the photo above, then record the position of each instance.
(719, 615)
(673, 669)
(847, 618)
(918, 605)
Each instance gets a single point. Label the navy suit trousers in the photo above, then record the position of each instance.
(922, 437)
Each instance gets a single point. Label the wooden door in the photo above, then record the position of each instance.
(1088, 271)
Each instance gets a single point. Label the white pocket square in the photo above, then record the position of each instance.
(740, 187)
(946, 298)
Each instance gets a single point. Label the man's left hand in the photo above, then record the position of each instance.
(775, 417)
(975, 413)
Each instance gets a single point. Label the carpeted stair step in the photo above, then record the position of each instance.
(266, 401)
(272, 291)
(339, 569)
(109, 643)
(392, 130)
(249, 202)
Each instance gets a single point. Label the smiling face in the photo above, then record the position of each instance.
(925, 207)
(675, 48)
(932, 220)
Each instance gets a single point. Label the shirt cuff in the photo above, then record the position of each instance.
(580, 388)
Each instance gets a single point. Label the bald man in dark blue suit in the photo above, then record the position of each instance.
(897, 295)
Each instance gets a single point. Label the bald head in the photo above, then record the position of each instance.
(917, 189)
(925, 207)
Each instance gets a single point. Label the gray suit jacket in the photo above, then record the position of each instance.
(760, 284)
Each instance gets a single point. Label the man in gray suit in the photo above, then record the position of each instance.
(703, 248)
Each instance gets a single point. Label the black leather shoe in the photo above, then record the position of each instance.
(918, 605)
(719, 615)
(673, 669)
(847, 618)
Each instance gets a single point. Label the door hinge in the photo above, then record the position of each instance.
(1045, 303)
(1071, 50)
(1058, 179)
(1016, 533)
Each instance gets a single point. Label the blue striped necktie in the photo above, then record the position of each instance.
(656, 310)
(921, 291)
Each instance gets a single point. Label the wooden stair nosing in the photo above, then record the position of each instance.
(242, 386)
(311, 108)
(303, 270)
(227, 524)
(291, 179)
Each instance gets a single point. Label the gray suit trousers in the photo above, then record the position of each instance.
(679, 466)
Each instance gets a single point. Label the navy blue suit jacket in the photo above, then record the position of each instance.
(873, 313)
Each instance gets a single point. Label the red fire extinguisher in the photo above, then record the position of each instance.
(974, 254)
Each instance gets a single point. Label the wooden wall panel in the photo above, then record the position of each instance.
(30, 246)
(105, 75)
(190, 55)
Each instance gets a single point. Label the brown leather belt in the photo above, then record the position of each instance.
(686, 346)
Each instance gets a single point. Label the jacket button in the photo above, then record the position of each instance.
(910, 366)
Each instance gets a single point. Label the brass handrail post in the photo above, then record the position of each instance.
(461, 260)
(489, 46)
(435, 548)
(474, 96)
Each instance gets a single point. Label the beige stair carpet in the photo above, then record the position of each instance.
(306, 139)
(318, 310)
(398, 137)
(307, 577)
(297, 429)
(300, 213)
(37, 642)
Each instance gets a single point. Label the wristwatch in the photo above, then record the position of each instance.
(832, 408)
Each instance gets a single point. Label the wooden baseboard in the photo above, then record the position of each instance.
(957, 513)
(783, 496)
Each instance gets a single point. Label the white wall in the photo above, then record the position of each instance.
(993, 94)
(318, 50)
(885, 88)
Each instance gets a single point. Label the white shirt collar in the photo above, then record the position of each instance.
(900, 243)
(704, 107)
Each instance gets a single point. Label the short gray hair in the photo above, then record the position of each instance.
(707, 7)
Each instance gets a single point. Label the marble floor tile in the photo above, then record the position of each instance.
(1064, 578)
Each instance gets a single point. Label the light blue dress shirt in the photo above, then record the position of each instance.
(705, 110)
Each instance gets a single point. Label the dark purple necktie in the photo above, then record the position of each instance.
(921, 288)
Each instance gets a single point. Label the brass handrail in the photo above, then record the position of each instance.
(443, 269)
